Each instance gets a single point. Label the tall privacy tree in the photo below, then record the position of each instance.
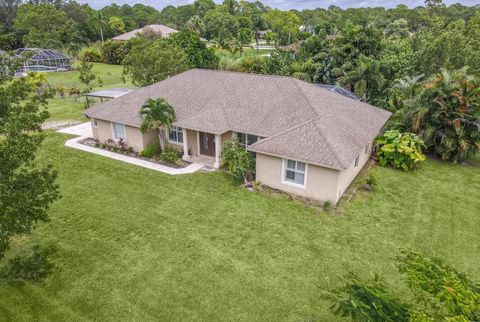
(26, 189)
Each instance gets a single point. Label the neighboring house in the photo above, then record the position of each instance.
(308, 141)
(163, 30)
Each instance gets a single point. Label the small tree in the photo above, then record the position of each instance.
(26, 189)
(244, 38)
(86, 74)
(157, 113)
(237, 161)
(401, 150)
(150, 62)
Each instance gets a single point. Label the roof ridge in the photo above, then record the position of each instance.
(283, 131)
(305, 97)
(322, 135)
(249, 74)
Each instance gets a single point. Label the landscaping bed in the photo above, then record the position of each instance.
(121, 148)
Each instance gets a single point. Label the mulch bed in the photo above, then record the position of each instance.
(93, 143)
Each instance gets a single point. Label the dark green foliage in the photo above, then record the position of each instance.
(370, 301)
(442, 294)
(237, 161)
(91, 55)
(198, 54)
(150, 62)
(32, 268)
(170, 155)
(445, 112)
(113, 52)
(26, 190)
(448, 293)
(400, 150)
(151, 150)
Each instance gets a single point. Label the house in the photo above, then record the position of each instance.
(161, 29)
(307, 140)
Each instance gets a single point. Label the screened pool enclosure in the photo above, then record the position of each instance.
(43, 60)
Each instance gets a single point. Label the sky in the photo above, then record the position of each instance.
(287, 4)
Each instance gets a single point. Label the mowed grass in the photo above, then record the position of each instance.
(247, 52)
(137, 245)
(71, 107)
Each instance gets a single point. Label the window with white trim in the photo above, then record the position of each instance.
(94, 122)
(119, 131)
(366, 148)
(176, 135)
(294, 172)
(356, 161)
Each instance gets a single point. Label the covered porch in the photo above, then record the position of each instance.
(202, 147)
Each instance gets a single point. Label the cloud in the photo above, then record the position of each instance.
(286, 4)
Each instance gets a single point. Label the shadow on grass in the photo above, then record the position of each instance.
(33, 267)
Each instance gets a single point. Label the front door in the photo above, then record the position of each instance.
(207, 144)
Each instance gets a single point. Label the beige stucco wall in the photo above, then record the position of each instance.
(226, 136)
(321, 183)
(134, 137)
(192, 142)
(347, 176)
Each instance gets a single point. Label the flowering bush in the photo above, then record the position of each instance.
(118, 146)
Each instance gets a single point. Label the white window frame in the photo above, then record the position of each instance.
(357, 161)
(290, 183)
(176, 129)
(113, 131)
(94, 122)
(367, 148)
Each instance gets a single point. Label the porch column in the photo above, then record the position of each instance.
(185, 145)
(218, 147)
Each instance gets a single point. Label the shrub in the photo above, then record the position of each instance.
(118, 146)
(91, 55)
(451, 295)
(114, 52)
(151, 150)
(401, 150)
(237, 161)
(372, 179)
(369, 301)
(170, 155)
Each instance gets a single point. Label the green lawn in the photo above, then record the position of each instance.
(247, 51)
(137, 245)
(70, 107)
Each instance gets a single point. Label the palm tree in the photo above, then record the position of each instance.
(196, 25)
(446, 114)
(101, 23)
(157, 114)
(258, 24)
(409, 85)
(366, 79)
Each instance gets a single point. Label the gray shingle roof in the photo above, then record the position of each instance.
(164, 30)
(298, 119)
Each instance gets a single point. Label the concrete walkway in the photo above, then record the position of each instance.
(86, 132)
(84, 129)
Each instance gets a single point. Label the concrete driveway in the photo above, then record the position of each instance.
(84, 130)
